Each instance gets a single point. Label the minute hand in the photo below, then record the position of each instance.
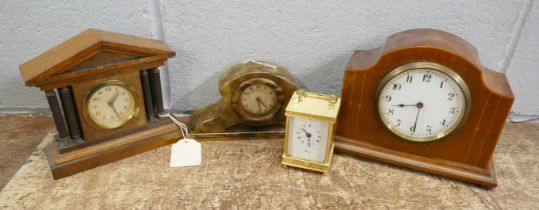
(261, 102)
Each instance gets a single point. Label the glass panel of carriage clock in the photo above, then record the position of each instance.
(307, 139)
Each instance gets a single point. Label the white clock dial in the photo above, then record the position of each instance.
(307, 139)
(110, 106)
(422, 104)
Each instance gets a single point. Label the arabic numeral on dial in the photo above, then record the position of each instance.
(387, 98)
(390, 112)
(453, 110)
(452, 96)
(427, 77)
(412, 129)
(409, 78)
(429, 129)
(444, 121)
(442, 83)
(398, 123)
(396, 86)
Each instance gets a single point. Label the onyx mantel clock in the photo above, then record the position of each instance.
(253, 100)
(104, 92)
(424, 101)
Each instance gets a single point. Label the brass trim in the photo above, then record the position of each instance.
(307, 164)
(132, 113)
(435, 67)
(300, 94)
(240, 110)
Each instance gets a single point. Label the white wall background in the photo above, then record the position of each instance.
(312, 38)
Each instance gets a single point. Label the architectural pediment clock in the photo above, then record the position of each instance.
(424, 101)
(104, 93)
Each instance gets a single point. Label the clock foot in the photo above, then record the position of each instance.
(69, 163)
(485, 177)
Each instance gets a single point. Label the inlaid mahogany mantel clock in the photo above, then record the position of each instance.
(104, 92)
(424, 101)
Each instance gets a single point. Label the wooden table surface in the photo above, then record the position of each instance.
(248, 175)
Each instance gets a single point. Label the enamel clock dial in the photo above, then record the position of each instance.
(308, 139)
(422, 101)
(110, 104)
(258, 99)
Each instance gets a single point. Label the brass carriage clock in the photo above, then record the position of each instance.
(310, 119)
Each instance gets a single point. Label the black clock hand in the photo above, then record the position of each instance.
(261, 102)
(115, 112)
(308, 137)
(403, 105)
(111, 104)
(259, 109)
(419, 106)
(115, 97)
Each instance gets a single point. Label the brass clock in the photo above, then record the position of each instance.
(253, 94)
(110, 104)
(308, 141)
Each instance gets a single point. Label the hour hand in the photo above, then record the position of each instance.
(113, 99)
(403, 105)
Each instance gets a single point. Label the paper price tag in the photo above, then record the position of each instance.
(185, 152)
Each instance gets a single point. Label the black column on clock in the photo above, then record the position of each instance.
(157, 95)
(70, 112)
(61, 127)
(147, 94)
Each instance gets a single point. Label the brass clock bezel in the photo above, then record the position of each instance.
(132, 112)
(240, 110)
(434, 67)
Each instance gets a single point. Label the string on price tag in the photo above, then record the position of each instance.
(187, 151)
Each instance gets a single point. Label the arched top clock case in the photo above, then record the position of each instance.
(464, 153)
(253, 93)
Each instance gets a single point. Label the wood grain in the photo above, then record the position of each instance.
(465, 154)
(84, 62)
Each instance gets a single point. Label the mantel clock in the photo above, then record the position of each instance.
(424, 101)
(253, 93)
(104, 92)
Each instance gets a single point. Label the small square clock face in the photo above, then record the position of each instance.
(307, 139)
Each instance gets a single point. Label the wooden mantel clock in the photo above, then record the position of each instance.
(104, 92)
(424, 101)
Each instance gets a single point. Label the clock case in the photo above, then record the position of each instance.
(71, 70)
(311, 106)
(466, 153)
(225, 119)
